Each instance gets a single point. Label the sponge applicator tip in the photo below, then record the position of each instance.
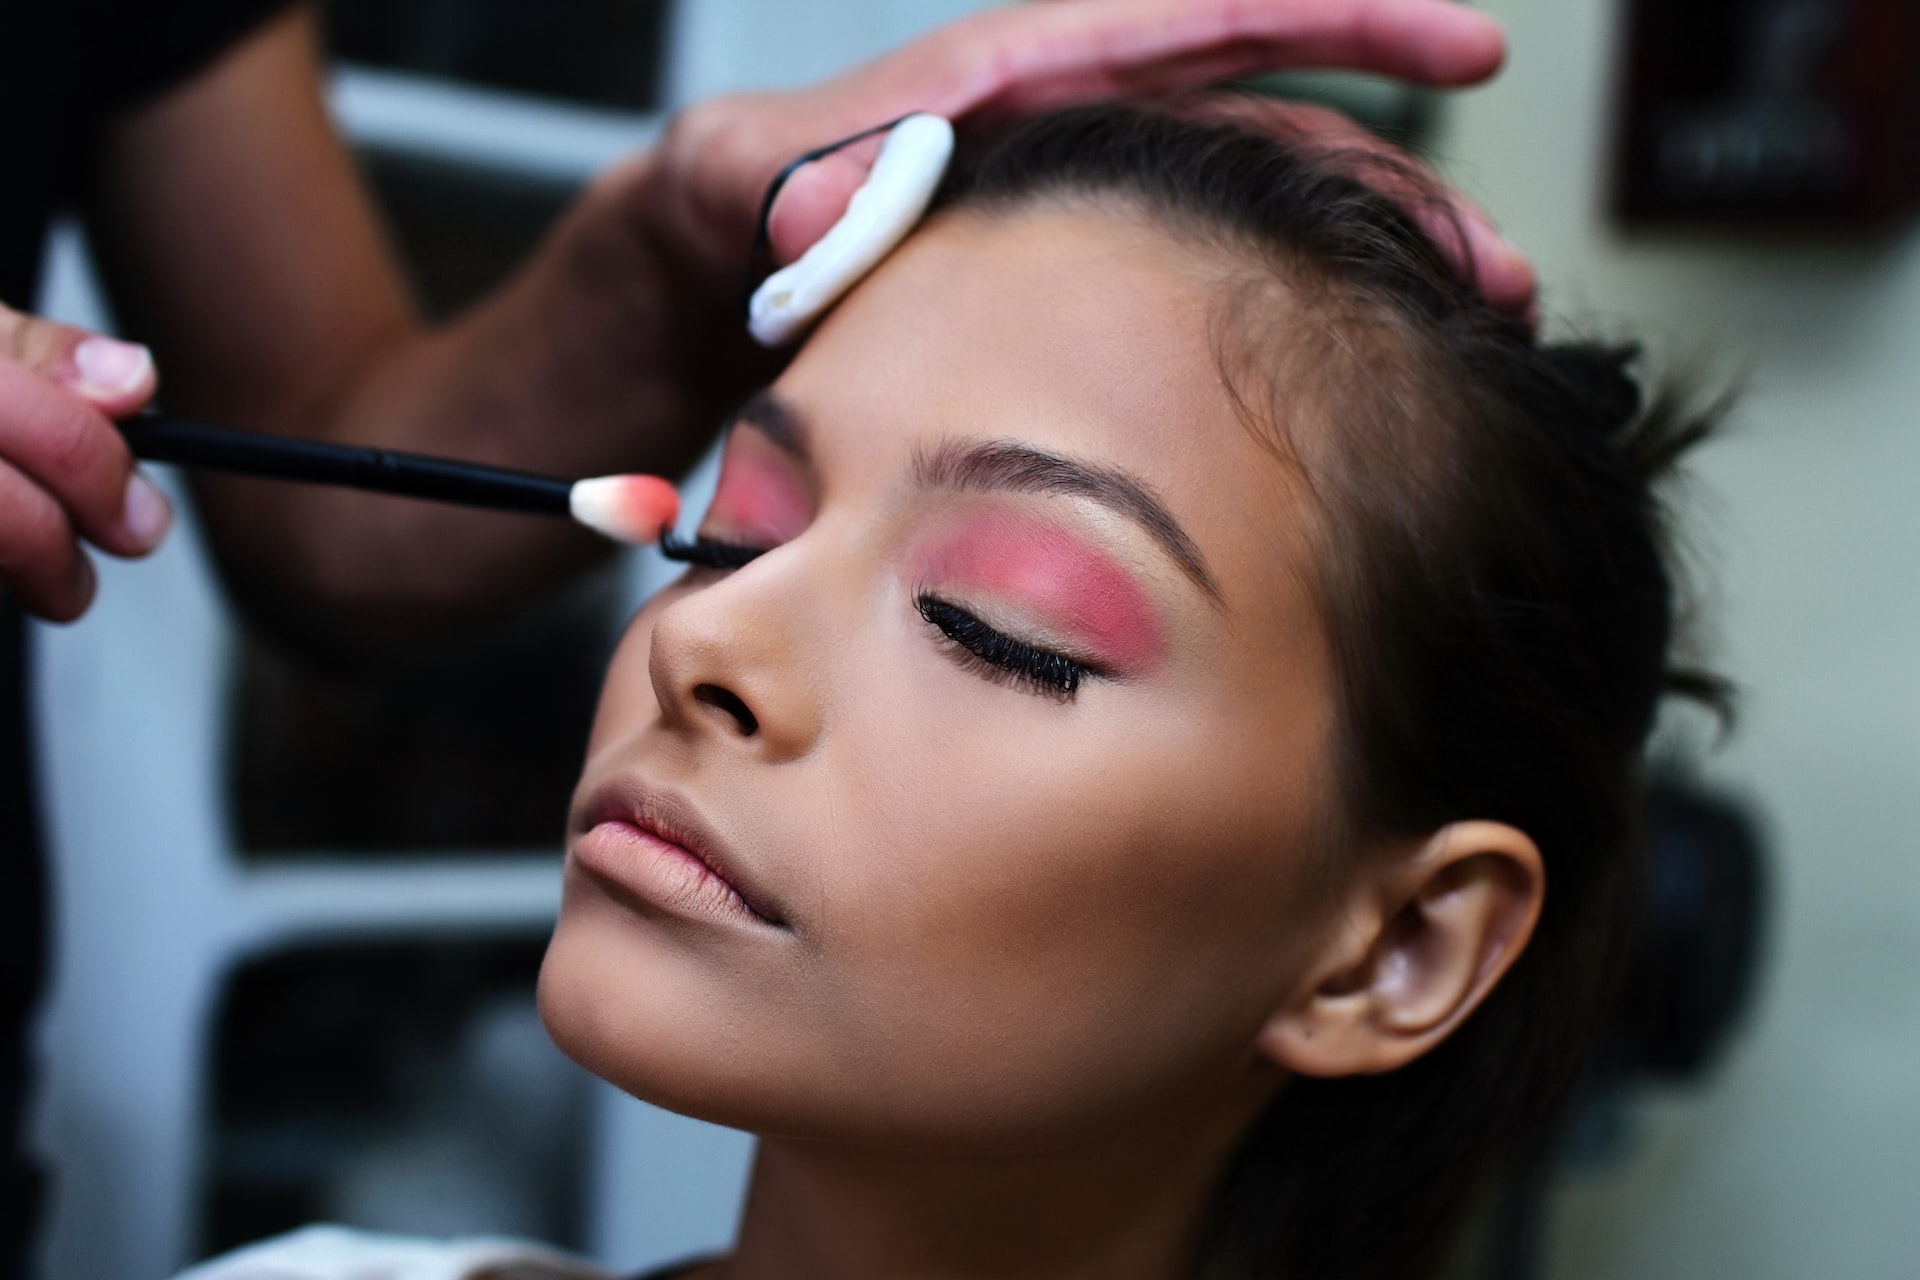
(625, 508)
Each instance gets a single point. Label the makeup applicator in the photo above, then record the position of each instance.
(635, 508)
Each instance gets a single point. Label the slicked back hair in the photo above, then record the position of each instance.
(1493, 569)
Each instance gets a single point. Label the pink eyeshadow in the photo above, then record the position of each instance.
(758, 498)
(1070, 584)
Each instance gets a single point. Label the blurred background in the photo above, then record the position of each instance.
(332, 1015)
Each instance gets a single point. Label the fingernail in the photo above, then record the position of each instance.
(106, 364)
(147, 513)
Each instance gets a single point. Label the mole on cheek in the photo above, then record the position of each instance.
(759, 498)
(1068, 582)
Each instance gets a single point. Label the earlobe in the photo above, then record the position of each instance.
(1427, 938)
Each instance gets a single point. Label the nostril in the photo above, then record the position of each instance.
(728, 701)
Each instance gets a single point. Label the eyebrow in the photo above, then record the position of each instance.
(1006, 465)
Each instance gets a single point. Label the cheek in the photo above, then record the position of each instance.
(1047, 936)
(1116, 869)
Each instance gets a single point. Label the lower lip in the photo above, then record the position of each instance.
(659, 873)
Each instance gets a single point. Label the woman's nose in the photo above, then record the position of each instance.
(726, 661)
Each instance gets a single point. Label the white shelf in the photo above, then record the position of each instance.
(491, 128)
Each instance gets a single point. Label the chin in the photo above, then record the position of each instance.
(736, 1038)
(628, 1006)
(666, 1032)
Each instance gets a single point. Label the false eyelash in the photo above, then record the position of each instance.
(1002, 657)
(708, 553)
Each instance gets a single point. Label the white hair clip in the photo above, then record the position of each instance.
(886, 206)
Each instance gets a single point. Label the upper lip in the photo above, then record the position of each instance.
(673, 818)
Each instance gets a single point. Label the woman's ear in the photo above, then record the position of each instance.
(1426, 938)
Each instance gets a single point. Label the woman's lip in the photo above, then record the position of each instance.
(654, 845)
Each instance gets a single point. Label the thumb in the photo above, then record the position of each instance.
(115, 377)
(812, 200)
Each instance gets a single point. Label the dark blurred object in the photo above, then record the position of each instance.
(407, 1085)
(400, 1087)
(1790, 113)
(1696, 957)
(462, 229)
(1698, 951)
(603, 53)
(474, 752)
(477, 750)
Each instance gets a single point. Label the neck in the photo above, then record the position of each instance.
(1128, 1207)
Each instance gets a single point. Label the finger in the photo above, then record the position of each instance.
(115, 377)
(1026, 58)
(1464, 234)
(40, 560)
(1018, 59)
(1500, 271)
(813, 199)
(1456, 225)
(816, 196)
(70, 451)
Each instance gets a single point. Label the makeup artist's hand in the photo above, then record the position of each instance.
(718, 156)
(1454, 223)
(65, 474)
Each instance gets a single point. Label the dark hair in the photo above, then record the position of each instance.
(1494, 572)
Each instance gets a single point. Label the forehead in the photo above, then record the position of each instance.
(1088, 327)
(1084, 330)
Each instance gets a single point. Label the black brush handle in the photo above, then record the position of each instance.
(160, 438)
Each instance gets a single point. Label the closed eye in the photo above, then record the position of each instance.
(1000, 657)
(993, 653)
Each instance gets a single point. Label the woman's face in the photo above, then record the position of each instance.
(1008, 757)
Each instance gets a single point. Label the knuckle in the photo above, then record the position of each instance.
(15, 330)
(45, 347)
(81, 463)
(704, 131)
(711, 151)
(33, 341)
(35, 535)
(738, 141)
(78, 450)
